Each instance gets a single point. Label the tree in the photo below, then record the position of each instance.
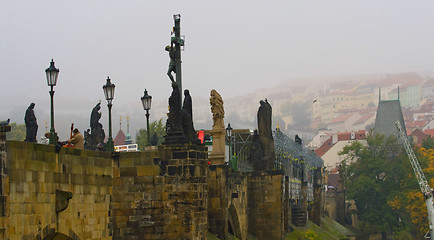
(157, 127)
(17, 133)
(428, 143)
(411, 200)
(374, 174)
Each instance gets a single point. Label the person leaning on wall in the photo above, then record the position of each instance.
(77, 139)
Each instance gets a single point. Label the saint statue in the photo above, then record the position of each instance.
(31, 124)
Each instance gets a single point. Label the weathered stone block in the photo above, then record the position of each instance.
(148, 170)
(128, 171)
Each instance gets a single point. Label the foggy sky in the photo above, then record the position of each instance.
(232, 46)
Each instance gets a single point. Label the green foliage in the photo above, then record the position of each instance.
(155, 127)
(428, 143)
(17, 133)
(311, 235)
(374, 174)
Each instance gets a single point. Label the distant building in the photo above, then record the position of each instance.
(418, 137)
(322, 136)
(388, 113)
(429, 125)
(329, 150)
(364, 121)
(413, 125)
(120, 138)
(427, 89)
(359, 96)
(344, 122)
(408, 94)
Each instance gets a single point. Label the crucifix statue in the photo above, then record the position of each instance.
(174, 49)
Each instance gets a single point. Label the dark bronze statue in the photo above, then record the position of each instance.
(174, 131)
(174, 49)
(96, 134)
(188, 104)
(154, 139)
(172, 63)
(187, 119)
(179, 124)
(31, 124)
(298, 139)
(175, 122)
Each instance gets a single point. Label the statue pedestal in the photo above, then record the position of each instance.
(217, 156)
(174, 137)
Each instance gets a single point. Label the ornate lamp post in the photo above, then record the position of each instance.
(109, 92)
(52, 73)
(229, 134)
(146, 102)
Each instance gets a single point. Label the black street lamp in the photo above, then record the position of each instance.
(52, 73)
(146, 102)
(229, 134)
(109, 92)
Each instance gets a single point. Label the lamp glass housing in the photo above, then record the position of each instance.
(52, 73)
(146, 100)
(229, 130)
(109, 91)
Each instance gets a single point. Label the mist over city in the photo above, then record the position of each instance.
(237, 48)
(216, 120)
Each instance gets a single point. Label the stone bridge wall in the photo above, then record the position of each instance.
(227, 202)
(162, 193)
(161, 196)
(266, 205)
(33, 174)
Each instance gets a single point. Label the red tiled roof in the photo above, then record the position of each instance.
(119, 139)
(341, 118)
(324, 147)
(429, 132)
(418, 132)
(360, 135)
(413, 124)
(346, 136)
(364, 118)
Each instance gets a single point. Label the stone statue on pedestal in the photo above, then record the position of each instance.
(31, 124)
(265, 136)
(257, 153)
(217, 156)
(187, 119)
(174, 128)
(218, 112)
(96, 134)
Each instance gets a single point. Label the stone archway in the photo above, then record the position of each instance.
(234, 223)
(57, 236)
